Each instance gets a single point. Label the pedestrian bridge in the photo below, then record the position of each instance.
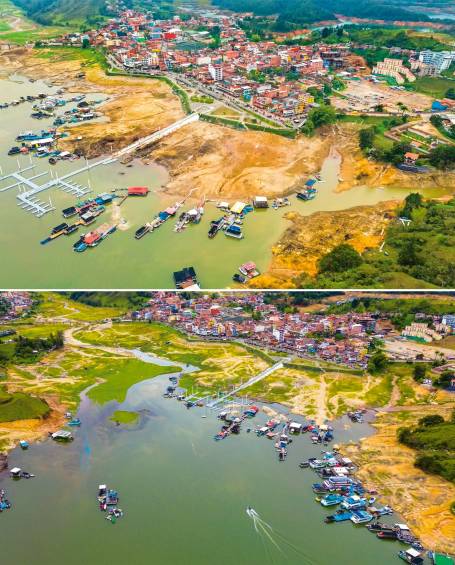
(29, 189)
(262, 375)
(157, 135)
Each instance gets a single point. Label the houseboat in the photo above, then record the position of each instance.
(411, 555)
(249, 270)
(331, 499)
(141, 232)
(234, 231)
(361, 517)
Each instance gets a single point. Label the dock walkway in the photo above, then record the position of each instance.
(262, 375)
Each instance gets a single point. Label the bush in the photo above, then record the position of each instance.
(341, 258)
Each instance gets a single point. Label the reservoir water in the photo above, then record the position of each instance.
(184, 495)
(121, 261)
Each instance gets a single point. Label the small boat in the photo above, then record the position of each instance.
(387, 534)
(338, 517)
(411, 555)
(238, 278)
(24, 444)
(361, 517)
(141, 232)
(331, 499)
(234, 231)
(74, 422)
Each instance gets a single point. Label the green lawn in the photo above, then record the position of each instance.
(21, 406)
(433, 86)
(118, 376)
(124, 417)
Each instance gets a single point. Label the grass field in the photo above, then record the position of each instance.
(53, 305)
(124, 417)
(433, 86)
(21, 406)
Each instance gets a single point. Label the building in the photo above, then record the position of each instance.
(216, 72)
(395, 69)
(440, 60)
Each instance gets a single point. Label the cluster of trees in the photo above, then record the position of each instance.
(295, 13)
(4, 306)
(319, 116)
(119, 299)
(423, 250)
(61, 11)
(26, 350)
(434, 440)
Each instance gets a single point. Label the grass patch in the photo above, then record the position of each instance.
(118, 376)
(21, 406)
(53, 305)
(379, 394)
(433, 86)
(124, 417)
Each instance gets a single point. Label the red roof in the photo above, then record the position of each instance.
(138, 191)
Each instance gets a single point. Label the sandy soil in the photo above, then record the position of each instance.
(387, 466)
(357, 170)
(310, 237)
(363, 95)
(223, 162)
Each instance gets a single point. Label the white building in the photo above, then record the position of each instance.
(440, 60)
(216, 72)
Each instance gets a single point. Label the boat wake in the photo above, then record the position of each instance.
(278, 540)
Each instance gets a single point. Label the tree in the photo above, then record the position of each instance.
(436, 120)
(408, 254)
(378, 362)
(341, 258)
(419, 372)
(411, 202)
(450, 93)
(322, 115)
(85, 43)
(443, 157)
(379, 108)
(431, 420)
(366, 138)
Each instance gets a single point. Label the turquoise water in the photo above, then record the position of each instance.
(121, 261)
(184, 495)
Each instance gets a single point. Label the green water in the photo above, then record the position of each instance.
(121, 261)
(184, 495)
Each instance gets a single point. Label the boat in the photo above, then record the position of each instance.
(307, 194)
(411, 555)
(234, 231)
(71, 229)
(24, 444)
(338, 517)
(387, 534)
(74, 422)
(186, 279)
(249, 270)
(216, 226)
(238, 278)
(378, 527)
(331, 499)
(361, 517)
(14, 151)
(141, 232)
(353, 503)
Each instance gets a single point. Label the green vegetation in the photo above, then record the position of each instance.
(21, 349)
(21, 406)
(202, 99)
(247, 125)
(124, 417)
(433, 86)
(296, 13)
(118, 376)
(53, 305)
(342, 257)
(124, 300)
(63, 12)
(434, 440)
(421, 253)
(317, 117)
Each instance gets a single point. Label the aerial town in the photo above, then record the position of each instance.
(210, 52)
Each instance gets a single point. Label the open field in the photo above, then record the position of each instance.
(363, 95)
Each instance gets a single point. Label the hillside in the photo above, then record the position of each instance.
(300, 12)
(55, 12)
